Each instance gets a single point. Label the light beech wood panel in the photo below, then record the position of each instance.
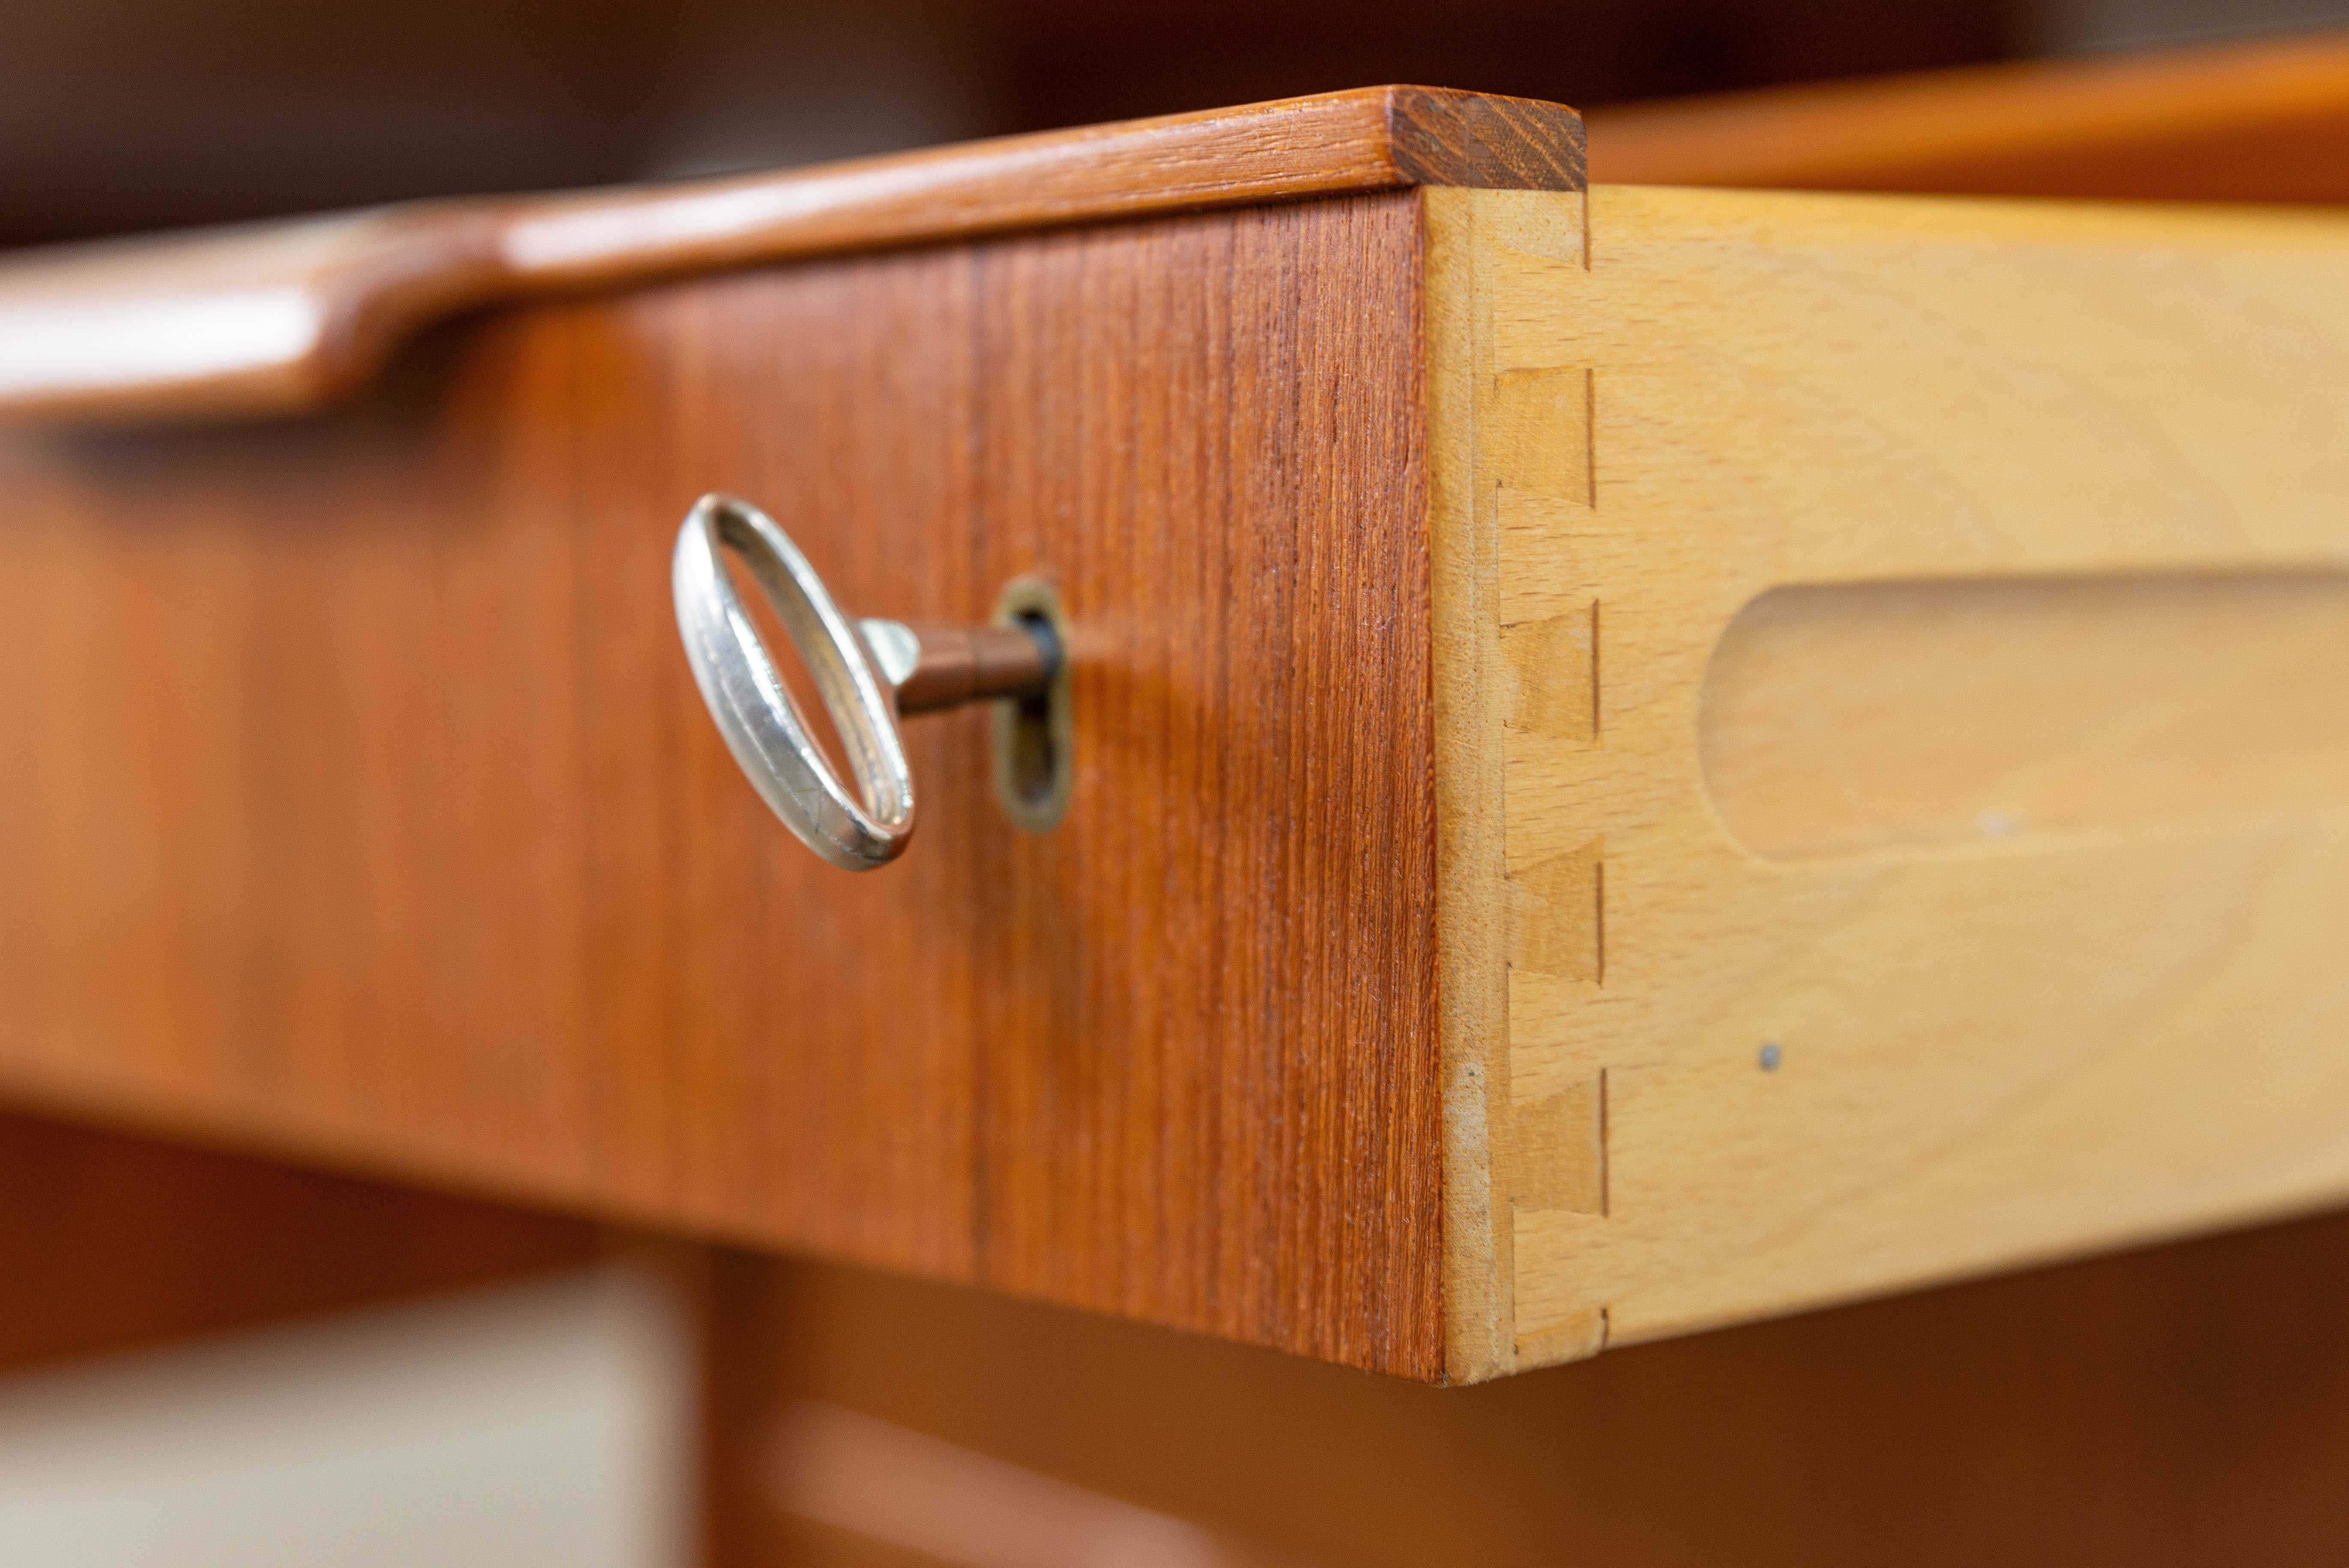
(2018, 1031)
(1860, 717)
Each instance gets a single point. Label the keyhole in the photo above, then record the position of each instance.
(1035, 766)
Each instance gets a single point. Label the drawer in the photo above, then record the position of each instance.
(1637, 758)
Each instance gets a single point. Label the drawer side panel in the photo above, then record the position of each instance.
(1989, 909)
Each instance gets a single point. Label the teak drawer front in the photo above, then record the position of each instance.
(1641, 761)
(369, 807)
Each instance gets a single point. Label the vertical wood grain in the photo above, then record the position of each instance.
(359, 802)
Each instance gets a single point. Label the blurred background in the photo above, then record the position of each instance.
(121, 115)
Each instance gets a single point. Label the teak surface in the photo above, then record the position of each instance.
(359, 804)
(1896, 798)
(2265, 121)
(288, 316)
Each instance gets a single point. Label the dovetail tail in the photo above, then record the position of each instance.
(1603, 1186)
(1598, 722)
(1590, 436)
(1599, 920)
(1585, 226)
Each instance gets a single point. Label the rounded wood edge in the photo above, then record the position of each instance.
(144, 333)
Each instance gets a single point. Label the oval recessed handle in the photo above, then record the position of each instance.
(867, 673)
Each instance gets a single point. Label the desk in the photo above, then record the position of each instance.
(1448, 963)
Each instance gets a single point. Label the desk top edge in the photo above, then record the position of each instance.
(283, 318)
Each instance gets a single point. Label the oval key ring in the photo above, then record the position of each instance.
(867, 672)
(755, 712)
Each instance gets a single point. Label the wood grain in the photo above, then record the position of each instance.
(2043, 963)
(360, 806)
(2264, 121)
(289, 316)
(1862, 718)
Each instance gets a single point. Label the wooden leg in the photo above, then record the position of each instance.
(2185, 1405)
(742, 1338)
